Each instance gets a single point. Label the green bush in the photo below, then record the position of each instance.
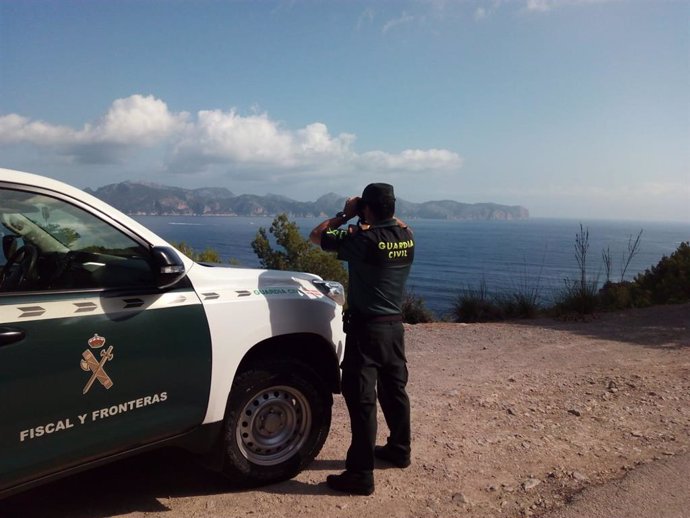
(476, 305)
(524, 300)
(617, 295)
(414, 310)
(209, 255)
(668, 282)
(577, 297)
(519, 305)
(295, 252)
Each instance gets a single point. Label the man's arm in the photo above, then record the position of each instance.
(350, 210)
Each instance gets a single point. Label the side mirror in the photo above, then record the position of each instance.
(168, 264)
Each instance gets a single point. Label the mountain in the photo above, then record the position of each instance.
(152, 199)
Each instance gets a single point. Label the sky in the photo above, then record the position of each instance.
(571, 108)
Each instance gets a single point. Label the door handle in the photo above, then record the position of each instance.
(10, 335)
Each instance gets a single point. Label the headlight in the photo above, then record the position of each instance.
(333, 290)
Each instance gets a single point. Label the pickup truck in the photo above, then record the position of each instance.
(112, 342)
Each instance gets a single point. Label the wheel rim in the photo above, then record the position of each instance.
(273, 425)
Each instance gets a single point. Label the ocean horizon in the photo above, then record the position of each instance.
(452, 256)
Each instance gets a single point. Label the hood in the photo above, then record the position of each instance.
(250, 281)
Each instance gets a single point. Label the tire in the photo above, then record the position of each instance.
(276, 422)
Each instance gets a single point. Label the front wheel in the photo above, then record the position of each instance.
(277, 420)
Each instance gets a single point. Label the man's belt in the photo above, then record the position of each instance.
(359, 318)
(385, 318)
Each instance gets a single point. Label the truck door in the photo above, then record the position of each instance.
(94, 358)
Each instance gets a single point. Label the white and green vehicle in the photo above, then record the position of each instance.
(112, 342)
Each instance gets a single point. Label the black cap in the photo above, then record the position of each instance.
(378, 194)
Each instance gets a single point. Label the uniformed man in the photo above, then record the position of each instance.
(379, 252)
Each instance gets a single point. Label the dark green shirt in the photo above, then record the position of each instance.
(379, 261)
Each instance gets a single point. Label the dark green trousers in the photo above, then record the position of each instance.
(374, 363)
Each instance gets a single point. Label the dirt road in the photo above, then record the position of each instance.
(655, 490)
(532, 418)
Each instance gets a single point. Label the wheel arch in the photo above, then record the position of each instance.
(303, 360)
(311, 349)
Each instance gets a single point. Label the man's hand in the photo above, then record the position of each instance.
(350, 211)
(350, 208)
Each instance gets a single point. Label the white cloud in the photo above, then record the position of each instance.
(539, 5)
(548, 5)
(228, 140)
(256, 141)
(133, 122)
(411, 160)
(136, 120)
(483, 9)
(480, 13)
(366, 18)
(486, 8)
(17, 129)
(314, 141)
(218, 136)
(403, 19)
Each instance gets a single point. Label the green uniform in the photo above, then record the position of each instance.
(379, 261)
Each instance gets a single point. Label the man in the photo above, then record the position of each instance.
(379, 252)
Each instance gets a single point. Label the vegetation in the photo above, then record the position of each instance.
(414, 309)
(65, 235)
(520, 304)
(607, 258)
(668, 282)
(295, 253)
(209, 255)
(525, 300)
(478, 305)
(579, 296)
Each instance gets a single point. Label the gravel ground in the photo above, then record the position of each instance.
(512, 419)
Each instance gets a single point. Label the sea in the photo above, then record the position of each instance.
(532, 256)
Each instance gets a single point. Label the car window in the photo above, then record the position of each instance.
(48, 243)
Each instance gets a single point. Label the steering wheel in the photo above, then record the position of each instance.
(20, 268)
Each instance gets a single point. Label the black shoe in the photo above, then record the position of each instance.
(352, 483)
(384, 453)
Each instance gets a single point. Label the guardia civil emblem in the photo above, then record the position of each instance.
(89, 363)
